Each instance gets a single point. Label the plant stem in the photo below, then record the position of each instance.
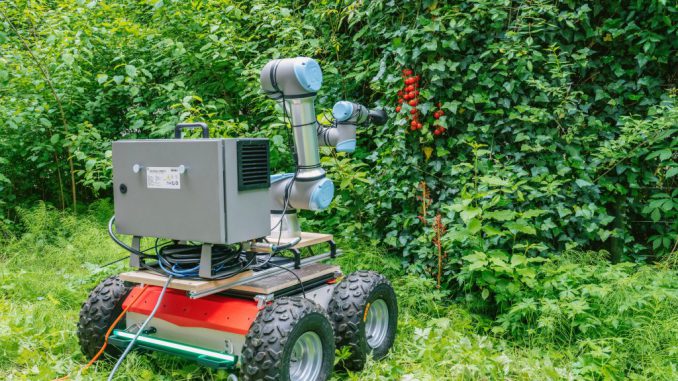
(48, 80)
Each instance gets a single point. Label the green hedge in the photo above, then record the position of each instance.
(560, 123)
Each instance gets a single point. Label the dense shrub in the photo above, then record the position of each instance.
(541, 127)
(564, 94)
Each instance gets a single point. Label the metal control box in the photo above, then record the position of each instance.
(205, 190)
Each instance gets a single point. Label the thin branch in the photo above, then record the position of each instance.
(48, 79)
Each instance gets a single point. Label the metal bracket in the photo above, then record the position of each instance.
(333, 249)
(205, 266)
(297, 258)
(262, 300)
(134, 259)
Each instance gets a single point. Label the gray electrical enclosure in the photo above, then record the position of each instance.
(205, 190)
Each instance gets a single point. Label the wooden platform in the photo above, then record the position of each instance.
(267, 285)
(264, 286)
(307, 239)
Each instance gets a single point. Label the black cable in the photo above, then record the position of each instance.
(122, 244)
(186, 258)
(295, 156)
(114, 262)
(183, 260)
(303, 291)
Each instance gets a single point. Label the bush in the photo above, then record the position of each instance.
(565, 93)
(623, 317)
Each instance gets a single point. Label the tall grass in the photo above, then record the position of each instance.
(47, 272)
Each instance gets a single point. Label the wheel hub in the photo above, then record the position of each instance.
(307, 357)
(376, 323)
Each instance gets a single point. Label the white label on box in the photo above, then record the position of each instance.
(163, 178)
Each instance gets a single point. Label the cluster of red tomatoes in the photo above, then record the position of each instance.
(410, 95)
(438, 130)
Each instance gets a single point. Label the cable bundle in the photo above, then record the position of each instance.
(182, 260)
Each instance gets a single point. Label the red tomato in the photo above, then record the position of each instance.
(413, 111)
(413, 102)
(398, 109)
(400, 100)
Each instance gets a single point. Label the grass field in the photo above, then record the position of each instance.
(47, 273)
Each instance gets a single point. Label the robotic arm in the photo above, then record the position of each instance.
(294, 83)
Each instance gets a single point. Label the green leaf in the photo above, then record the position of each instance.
(583, 183)
(518, 260)
(474, 226)
(467, 214)
(54, 139)
(665, 154)
(494, 181)
(604, 234)
(501, 215)
(457, 235)
(533, 213)
(131, 71)
(68, 58)
(520, 226)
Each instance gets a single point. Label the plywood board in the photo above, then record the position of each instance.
(285, 279)
(264, 286)
(156, 279)
(307, 239)
(267, 285)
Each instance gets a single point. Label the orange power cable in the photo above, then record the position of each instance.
(108, 333)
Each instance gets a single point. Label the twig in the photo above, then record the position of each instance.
(48, 79)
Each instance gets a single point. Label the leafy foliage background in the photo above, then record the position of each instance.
(559, 154)
(572, 101)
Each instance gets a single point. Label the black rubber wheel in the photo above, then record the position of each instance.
(276, 345)
(102, 307)
(364, 312)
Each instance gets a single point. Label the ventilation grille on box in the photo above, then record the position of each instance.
(253, 169)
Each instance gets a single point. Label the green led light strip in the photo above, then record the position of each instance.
(176, 346)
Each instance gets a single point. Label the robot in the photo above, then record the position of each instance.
(218, 285)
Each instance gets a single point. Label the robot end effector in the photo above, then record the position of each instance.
(348, 116)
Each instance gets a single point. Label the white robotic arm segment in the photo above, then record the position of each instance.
(291, 77)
